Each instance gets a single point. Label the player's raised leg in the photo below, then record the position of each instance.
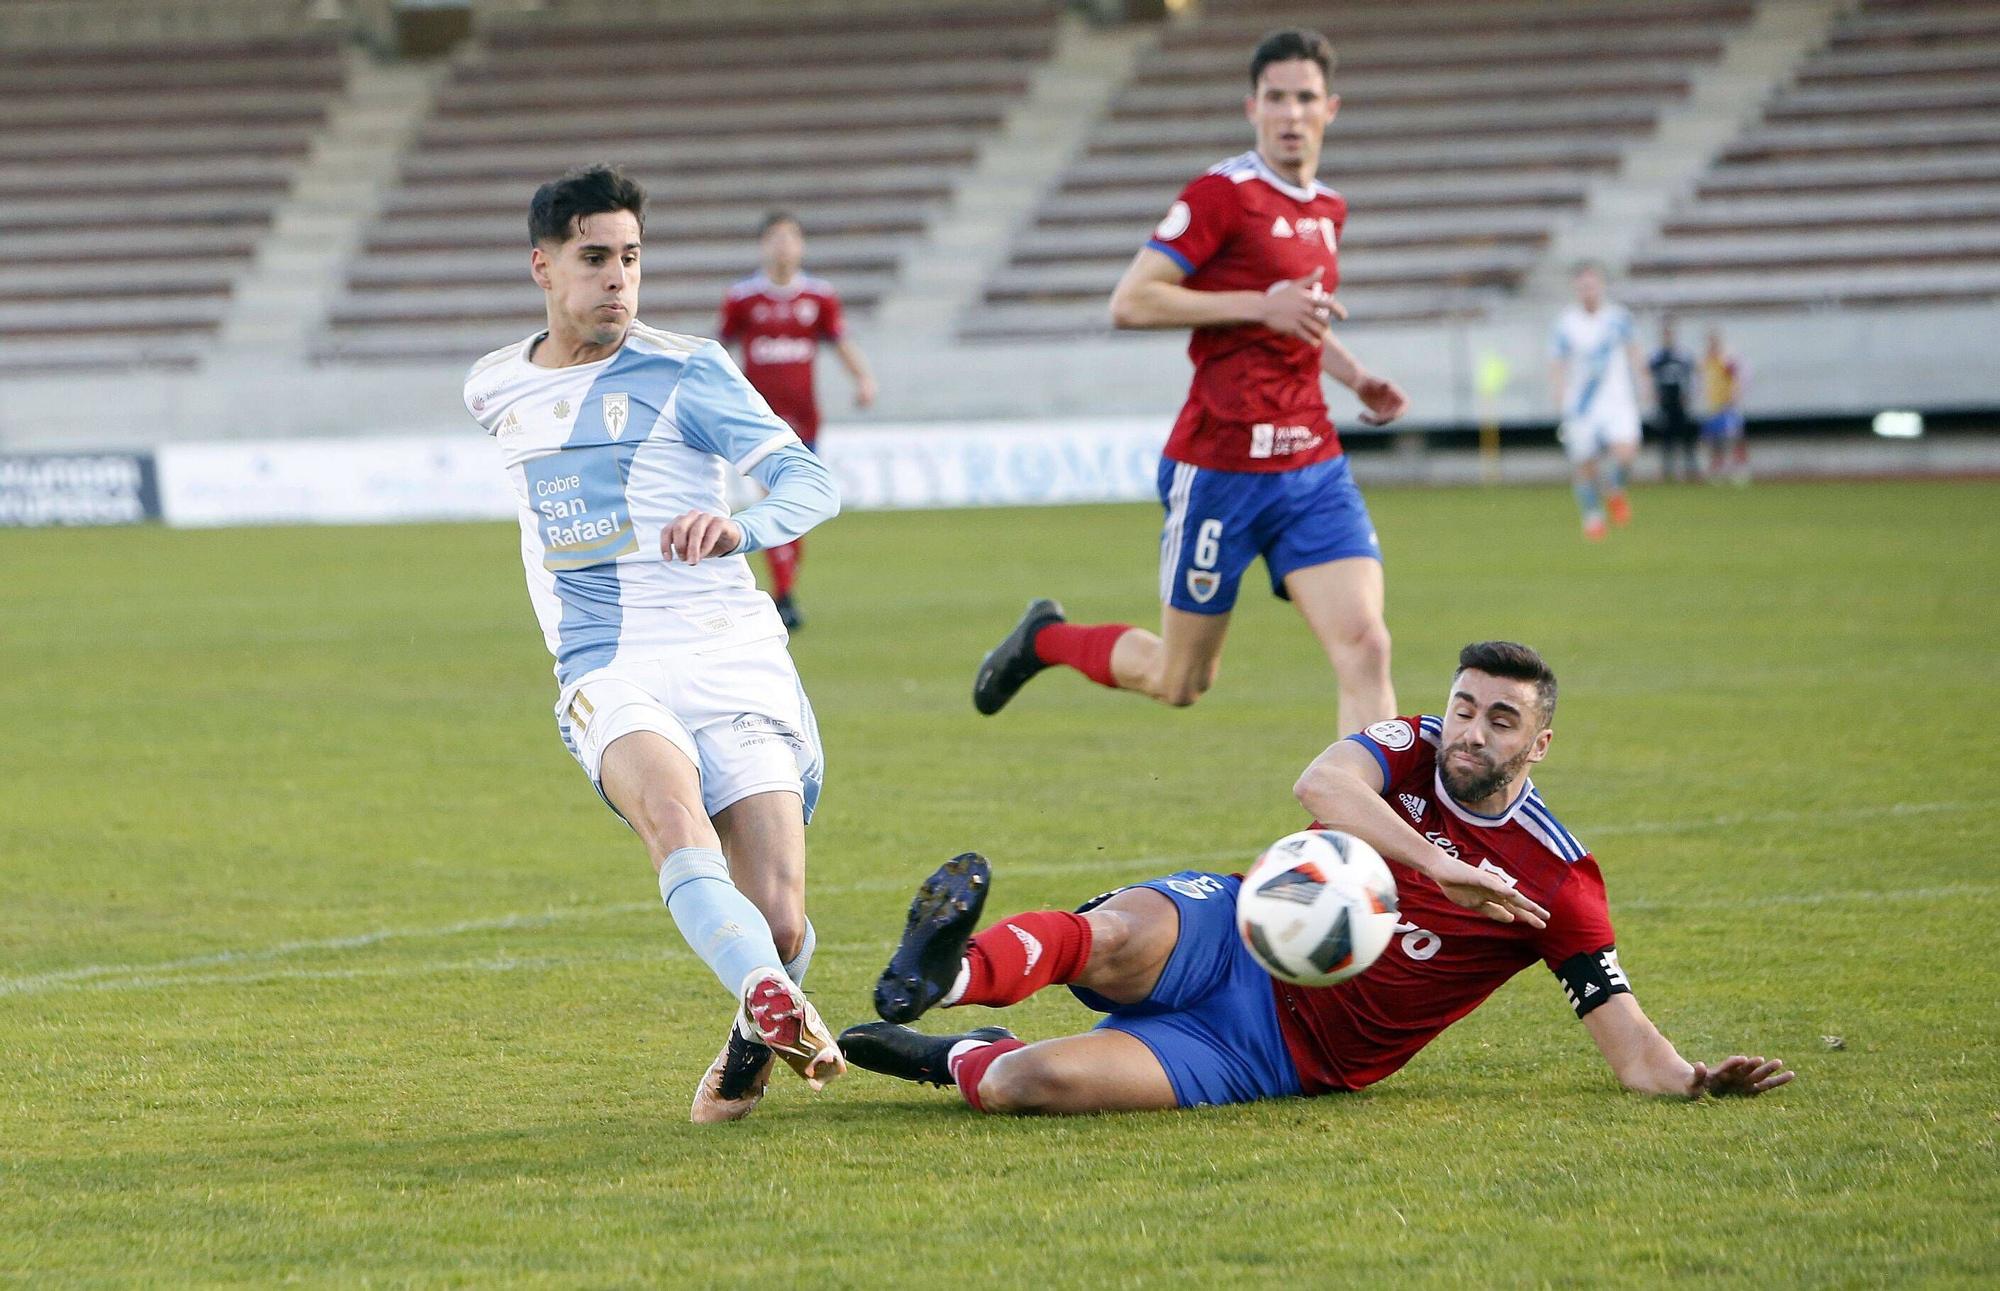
(1342, 601)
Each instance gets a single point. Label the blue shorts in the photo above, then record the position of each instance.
(1726, 424)
(1212, 1019)
(1219, 521)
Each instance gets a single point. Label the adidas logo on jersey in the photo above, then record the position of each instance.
(1280, 228)
(1414, 805)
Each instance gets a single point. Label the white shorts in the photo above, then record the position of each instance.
(1595, 434)
(739, 713)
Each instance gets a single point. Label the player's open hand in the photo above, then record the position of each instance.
(1487, 893)
(864, 391)
(698, 534)
(1739, 1077)
(1382, 401)
(1300, 308)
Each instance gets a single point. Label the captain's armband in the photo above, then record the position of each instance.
(1592, 978)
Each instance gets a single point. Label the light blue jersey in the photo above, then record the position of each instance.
(605, 456)
(1599, 379)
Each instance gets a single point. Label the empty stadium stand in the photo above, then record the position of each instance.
(135, 180)
(1873, 178)
(1465, 132)
(859, 121)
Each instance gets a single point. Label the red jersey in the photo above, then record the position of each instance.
(779, 330)
(1255, 403)
(1445, 960)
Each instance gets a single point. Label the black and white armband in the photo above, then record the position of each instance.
(1592, 978)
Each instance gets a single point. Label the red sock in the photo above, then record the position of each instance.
(784, 562)
(1017, 957)
(1084, 647)
(970, 1067)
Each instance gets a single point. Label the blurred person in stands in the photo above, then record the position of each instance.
(1600, 380)
(1673, 370)
(1248, 259)
(777, 319)
(1722, 378)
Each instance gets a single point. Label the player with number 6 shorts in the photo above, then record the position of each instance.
(1248, 258)
(1488, 883)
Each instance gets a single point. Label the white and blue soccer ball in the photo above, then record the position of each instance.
(1318, 907)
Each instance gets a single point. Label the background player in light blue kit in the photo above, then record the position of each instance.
(678, 695)
(1600, 380)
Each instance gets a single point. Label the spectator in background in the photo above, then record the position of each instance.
(778, 317)
(1722, 378)
(1673, 381)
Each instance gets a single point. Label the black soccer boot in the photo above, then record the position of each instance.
(927, 960)
(909, 1055)
(1008, 666)
(788, 613)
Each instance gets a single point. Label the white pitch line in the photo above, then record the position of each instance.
(1114, 869)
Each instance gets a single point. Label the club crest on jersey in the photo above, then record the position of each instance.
(1394, 734)
(1202, 584)
(617, 411)
(805, 309)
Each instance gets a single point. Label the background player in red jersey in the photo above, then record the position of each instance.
(777, 318)
(1248, 258)
(1488, 882)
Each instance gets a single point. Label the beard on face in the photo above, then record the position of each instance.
(1482, 783)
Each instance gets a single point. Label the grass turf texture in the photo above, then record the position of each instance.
(324, 965)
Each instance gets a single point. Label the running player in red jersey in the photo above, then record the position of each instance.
(1247, 258)
(777, 318)
(1488, 883)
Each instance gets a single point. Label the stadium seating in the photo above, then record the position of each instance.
(858, 121)
(1464, 133)
(134, 183)
(1874, 178)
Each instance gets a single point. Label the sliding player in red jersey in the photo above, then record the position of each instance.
(1248, 258)
(777, 318)
(1488, 882)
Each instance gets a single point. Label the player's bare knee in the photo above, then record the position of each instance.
(1024, 1082)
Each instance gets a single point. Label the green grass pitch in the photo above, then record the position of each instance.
(321, 964)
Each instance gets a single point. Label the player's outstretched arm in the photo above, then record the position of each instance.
(1646, 1062)
(1343, 790)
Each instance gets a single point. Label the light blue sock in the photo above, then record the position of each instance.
(1586, 497)
(722, 925)
(1617, 476)
(796, 966)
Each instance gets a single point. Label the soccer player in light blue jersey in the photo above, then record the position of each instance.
(1600, 380)
(678, 696)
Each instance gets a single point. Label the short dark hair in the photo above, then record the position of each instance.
(772, 219)
(1288, 44)
(561, 204)
(1516, 662)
